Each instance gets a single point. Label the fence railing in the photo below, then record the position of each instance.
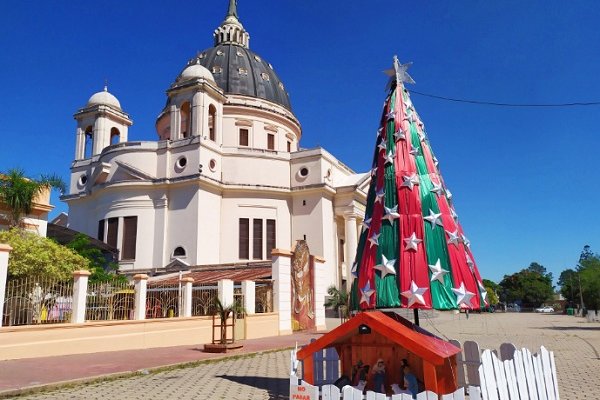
(203, 299)
(264, 297)
(163, 301)
(107, 301)
(31, 301)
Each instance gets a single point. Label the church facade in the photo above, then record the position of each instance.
(225, 182)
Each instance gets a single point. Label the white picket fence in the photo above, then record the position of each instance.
(516, 375)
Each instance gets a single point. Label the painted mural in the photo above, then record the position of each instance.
(303, 299)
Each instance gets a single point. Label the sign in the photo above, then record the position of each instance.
(303, 392)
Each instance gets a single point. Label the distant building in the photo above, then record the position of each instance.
(226, 180)
(37, 220)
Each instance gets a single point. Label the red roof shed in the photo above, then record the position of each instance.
(391, 338)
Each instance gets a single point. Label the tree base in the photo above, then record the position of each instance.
(221, 348)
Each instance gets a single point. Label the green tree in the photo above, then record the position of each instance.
(492, 289)
(589, 273)
(338, 300)
(224, 312)
(531, 286)
(33, 255)
(569, 285)
(102, 269)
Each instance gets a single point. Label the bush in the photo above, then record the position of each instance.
(33, 255)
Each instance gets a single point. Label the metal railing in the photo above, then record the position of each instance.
(163, 301)
(31, 301)
(203, 299)
(108, 301)
(263, 300)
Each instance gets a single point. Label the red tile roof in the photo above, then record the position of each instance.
(209, 276)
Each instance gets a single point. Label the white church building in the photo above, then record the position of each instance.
(225, 181)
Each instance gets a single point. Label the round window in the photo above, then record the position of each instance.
(181, 163)
(212, 164)
(303, 172)
(82, 180)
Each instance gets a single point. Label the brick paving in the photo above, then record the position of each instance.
(576, 345)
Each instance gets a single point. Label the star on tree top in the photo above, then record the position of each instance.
(398, 73)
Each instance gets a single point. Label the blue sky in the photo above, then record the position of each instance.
(524, 180)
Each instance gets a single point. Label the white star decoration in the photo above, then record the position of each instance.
(374, 171)
(454, 214)
(391, 214)
(412, 242)
(379, 131)
(382, 146)
(465, 241)
(434, 219)
(410, 181)
(366, 224)
(391, 115)
(398, 73)
(354, 269)
(435, 161)
(463, 296)
(437, 273)
(414, 294)
(379, 195)
(374, 239)
(386, 267)
(414, 151)
(437, 188)
(448, 194)
(389, 158)
(453, 237)
(421, 134)
(399, 135)
(367, 292)
(470, 263)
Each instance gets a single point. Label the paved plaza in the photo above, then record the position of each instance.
(576, 345)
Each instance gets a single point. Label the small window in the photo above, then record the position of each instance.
(244, 239)
(220, 52)
(115, 136)
(281, 86)
(289, 147)
(101, 230)
(270, 141)
(112, 231)
(82, 180)
(257, 239)
(257, 58)
(179, 252)
(239, 53)
(303, 172)
(271, 236)
(212, 165)
(129, 238)
(180, 164)
(88, 150)
(212, 123)
(242, 71)
(265, 76)
(217, 70)
(243, 137)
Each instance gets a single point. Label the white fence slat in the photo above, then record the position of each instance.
(376, 396)
(553, 365)
(539, 377)
(507, 351)
(460, 365)
(500, 377)
(330, 392)
(547, 371)
(511, 378)
(520, 375)
(472, 361)
(475, 393)
(491, 385)
(529, 373)
(458, 395)
(351, 393)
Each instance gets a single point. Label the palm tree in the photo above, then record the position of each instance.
(224, 312)
(18, 192)
(338, 300)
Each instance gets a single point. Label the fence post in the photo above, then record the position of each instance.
(80, 286)
(4, 253)
(249, 293)
(282, 288)
(187, 297)
(226, 292)
(141, 283)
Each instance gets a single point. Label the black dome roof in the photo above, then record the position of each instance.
(238, 70)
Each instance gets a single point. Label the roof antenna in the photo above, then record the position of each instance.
(105, 85)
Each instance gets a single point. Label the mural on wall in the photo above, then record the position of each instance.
(303, 299)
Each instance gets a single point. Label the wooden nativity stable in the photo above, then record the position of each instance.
(372, 335)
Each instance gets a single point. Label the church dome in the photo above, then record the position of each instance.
(195, 71)
(238, 70)
(104, 98)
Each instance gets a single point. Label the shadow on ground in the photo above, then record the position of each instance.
(571, 328)
(278, 388)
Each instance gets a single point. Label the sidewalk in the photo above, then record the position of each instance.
(18, 376)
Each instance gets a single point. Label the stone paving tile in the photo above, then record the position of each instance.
(576, 345)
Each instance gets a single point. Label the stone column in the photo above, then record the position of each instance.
(282, 288)
(80, 144)
(80, 286)
(226, 292)
(141, 283)
(249, 293)
(187, 297)
(175, 122)
(351, 244)
(320, 291)
(4, 253)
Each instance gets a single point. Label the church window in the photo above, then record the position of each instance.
(257, 58)
(271, 236)
(217, 70)
(112, 231)
(257, 239)
(270, 141)
(185, 119)
(243, 137)
(129, 238)
(242, 71)
(212, 123)
(115, 136)
(179, 252)
(89, 142)
(220, 52)
(101, 230)
(289, 146)
(265, 76)
(244, 239)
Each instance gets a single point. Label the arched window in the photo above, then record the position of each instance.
(179, 252)
(88, 150)
(212, 123)
(115, 136)
(185, 120)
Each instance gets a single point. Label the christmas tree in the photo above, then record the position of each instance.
(412, 251)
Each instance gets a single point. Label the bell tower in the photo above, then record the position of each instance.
(101, 123)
